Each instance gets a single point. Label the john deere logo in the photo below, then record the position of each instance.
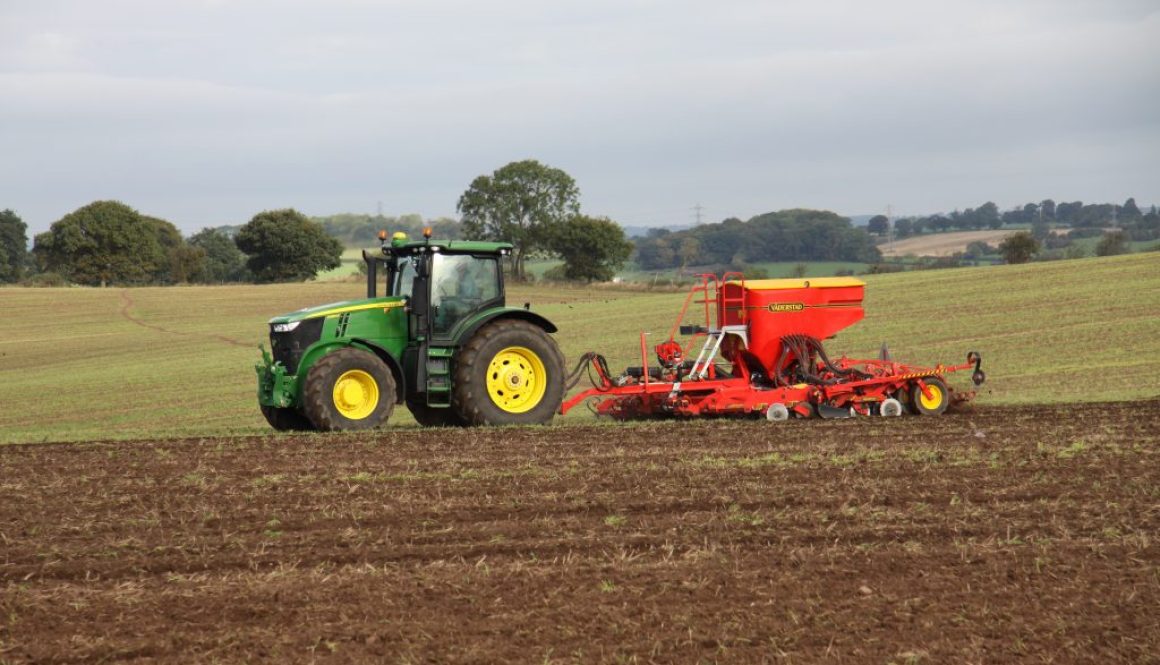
(786, 306)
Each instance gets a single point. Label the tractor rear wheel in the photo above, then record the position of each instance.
(286, 420)
(429, 416)
(349, 389)
(938, 400)
(509, 373)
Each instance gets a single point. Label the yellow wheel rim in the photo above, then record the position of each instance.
(935, 399)
(356, 394)
(516, 379)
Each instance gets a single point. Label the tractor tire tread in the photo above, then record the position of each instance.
(470, 390)
(318, 401)
(432, 417)
(286, 419)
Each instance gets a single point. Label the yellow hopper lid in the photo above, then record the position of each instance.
(795, 283)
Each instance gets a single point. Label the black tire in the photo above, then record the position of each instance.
(494, 344)
(371, 383)
(928, 407)
(286, 420)
(429, 416)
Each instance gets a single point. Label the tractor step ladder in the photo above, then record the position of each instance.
(439, 376)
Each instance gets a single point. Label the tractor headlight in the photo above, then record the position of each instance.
(286, 327)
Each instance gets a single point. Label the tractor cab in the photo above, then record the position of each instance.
(445, 282)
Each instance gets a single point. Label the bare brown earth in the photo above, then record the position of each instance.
(941, 244)
(996, 535)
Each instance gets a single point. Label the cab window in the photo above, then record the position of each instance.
(404, 275)
(460, 285)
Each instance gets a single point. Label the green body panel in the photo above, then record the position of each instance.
(378, 325)
(335, 309)
(469, 325)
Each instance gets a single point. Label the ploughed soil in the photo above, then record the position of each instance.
(991, 535)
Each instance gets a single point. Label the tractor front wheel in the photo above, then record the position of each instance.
(349, 389)
(938, 400)
(509, 373)
(286, 420)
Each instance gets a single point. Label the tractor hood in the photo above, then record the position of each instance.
(342, 307)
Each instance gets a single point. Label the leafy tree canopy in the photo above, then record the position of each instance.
(224, 262)
(878, 224)
(179, 261)
(787, 235)
(592, 248)
(523, 203)
(286, 246)
(13, 246)
(1019, 247)
(104, 242)
(1112, 244)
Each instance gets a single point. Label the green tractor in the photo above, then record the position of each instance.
(441, 339)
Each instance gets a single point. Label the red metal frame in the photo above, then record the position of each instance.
(739, 393)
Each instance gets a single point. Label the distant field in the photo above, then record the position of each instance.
(1089, 245)
(941, 244)
(351, 258)
(81, 363)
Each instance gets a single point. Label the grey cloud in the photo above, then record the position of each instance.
(206, 112)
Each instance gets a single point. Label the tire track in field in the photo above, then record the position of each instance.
(127, 314)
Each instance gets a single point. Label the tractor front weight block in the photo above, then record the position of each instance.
(276, 387)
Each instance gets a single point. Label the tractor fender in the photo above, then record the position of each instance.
(317, 351)
(473, 324)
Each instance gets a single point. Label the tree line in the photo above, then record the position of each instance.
(787, 235)
(535, 207)
(109, 243)
(1136, 224)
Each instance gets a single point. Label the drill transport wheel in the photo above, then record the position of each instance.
(777, 413)
(938, 400)
(890, 408)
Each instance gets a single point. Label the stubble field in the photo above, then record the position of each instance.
(1019, 534)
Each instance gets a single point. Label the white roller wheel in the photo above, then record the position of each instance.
(777, 413)
(890, 407)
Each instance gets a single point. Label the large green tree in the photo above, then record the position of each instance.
(13, 246)
(224, 262)
(1129, 211)
(593, 248)
(286, 246)
(1019, 247)
(104, 242)
(180, 261)
(522, 203)
(1112, 244)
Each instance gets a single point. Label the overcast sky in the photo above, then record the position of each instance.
(205, 112)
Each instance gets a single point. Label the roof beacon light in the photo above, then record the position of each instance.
(427, 232)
